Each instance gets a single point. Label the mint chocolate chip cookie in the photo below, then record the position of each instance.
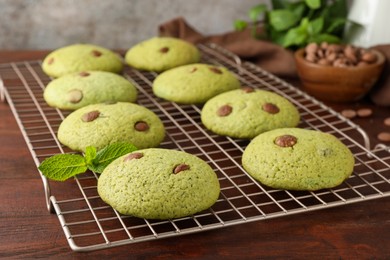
(99, 125)
(159, 184)
(81, 57)
(298, 159)
(246, 112)
(194, 83)
(161, 53)
(80, 89)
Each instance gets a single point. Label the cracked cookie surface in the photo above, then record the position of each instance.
(159, 184)
(298, 159)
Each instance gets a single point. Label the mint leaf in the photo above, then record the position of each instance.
(338, 9)
(315, 26)
(313, 4)
(298, 8)
(336, 25)
(282, 19)
(90, 154)
(240, 25)
(280, 4)
(297, 36)
(256, 11)
(61, 167)
(325, 38)
(108, 154)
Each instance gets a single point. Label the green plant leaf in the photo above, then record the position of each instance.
(61, 167)
(277, 37)
(282, 20)
(297, 36)
(256, 11)
(298, 8)
(313, 4)
(280, 4)
(90, 154)
(240, 25)
(336, 25)
(338, 9)
(324, 37)
(316, 26)
(108, 154)
(287, 24)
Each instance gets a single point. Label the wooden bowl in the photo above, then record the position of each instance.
(338, 84)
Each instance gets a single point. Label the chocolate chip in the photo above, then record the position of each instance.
(84, 74)
(180, 168)
(349, 113)
(74, 96)
(270, 108)
(247, 89)
(387, 121)
(141, 126)
(90, 116)
(224, 110)
(215, 70)
(286, 141)
(133, 156)
(96, 53)
(384, 136)
(193, 69)
(364, 112)
(50, 61)
(164, 50)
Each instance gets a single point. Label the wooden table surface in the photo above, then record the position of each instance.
(27, 230)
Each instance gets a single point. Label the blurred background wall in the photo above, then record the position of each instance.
(115, 24)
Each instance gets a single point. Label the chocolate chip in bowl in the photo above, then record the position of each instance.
(338, 73)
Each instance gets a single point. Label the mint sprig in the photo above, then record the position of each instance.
(61, 167)
(294, 24)
(108, 154)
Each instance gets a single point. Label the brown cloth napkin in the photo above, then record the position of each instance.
(267, 55)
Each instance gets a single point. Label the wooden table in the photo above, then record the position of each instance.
(355, 231)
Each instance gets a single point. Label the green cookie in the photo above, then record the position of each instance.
(102, 124)
(81, 57)
(298, 159)
(80, 89)
(161, 53)
(246, 112)
(159, 184)
(194, 83)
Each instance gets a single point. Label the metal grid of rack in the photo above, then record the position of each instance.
(90, 224)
